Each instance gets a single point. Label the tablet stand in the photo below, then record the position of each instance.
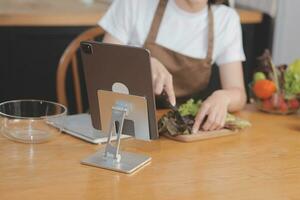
(111, 158)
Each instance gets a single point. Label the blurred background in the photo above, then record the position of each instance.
(35, 33)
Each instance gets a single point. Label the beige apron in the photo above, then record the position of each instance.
(190, 75)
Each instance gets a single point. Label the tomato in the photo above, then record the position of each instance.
(267, 104)
(293, 104)
(264, 89)
(283, 107)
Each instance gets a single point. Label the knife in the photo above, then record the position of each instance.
(177, 114)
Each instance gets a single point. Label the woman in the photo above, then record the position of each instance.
(185, 37)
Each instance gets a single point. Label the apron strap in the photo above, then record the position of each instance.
(158, 15)
(210, 46)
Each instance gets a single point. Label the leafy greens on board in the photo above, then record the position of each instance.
(169, 123)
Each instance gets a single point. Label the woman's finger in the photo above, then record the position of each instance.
(210, 123)
(218, 123)
(222, 119)
(170, 90)
(159, 85)
(200, 117)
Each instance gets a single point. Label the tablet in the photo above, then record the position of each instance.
(105, 65)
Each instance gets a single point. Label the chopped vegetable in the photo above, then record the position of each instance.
(171, 125)
(189, 108)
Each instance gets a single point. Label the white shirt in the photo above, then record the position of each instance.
(183, 32)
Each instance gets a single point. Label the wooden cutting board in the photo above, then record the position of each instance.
(201, 135)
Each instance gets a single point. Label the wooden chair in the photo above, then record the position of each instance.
(69, 59)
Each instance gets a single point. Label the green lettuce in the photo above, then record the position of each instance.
(189, 108)
(292, 79)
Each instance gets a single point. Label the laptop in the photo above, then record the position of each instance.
(80, 126)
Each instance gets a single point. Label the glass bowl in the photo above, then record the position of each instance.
(26, 120)
(266, 106)
(276, 104)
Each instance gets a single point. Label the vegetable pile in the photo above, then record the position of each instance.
(292, 79)
(170, 124)
(276, 89)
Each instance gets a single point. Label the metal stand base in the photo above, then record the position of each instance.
(128, 164)
(111, 158)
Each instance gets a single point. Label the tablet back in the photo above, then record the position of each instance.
(106, 64)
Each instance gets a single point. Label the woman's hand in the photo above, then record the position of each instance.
(162, 80)
(161, 77)
(215, 108)
(230, 99)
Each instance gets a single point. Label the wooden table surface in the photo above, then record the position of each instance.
(263, 162)
(69, 13)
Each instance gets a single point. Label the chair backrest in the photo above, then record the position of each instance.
(69, 59)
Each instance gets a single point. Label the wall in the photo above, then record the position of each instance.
(287, 32)
(266, 6)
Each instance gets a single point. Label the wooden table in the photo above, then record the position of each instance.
(70, 13)
(263, 162)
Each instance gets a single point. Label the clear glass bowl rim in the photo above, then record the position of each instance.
(64, 112)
